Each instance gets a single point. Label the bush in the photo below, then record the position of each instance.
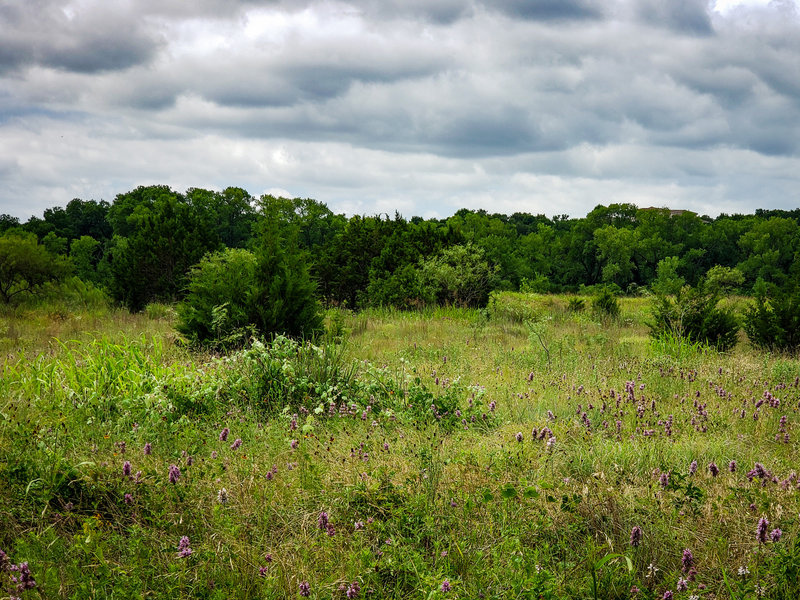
(575, 305)
(219, 298)
(695, 315)
(772, 322)
(606, 304)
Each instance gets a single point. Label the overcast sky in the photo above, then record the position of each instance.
(420, 106)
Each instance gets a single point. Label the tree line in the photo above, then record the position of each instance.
(142, 246)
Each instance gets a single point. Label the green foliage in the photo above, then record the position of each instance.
(576, 305)
(283, 294)
(26, 266)
(458, 276)
(605, 303)
(772, 321)
(721, 279)
(695, 315)
(219, 299)
(668, 282)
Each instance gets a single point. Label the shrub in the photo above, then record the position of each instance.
(219, 298)
(576, 305)
(458, 276)
(606, 304)
(772, 322)
(695, 315)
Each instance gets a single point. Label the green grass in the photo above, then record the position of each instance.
(83, 392)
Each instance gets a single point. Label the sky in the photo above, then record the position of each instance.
(417, 106)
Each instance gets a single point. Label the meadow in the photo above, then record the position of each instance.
(518, 452)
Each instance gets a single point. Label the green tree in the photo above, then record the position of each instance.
(459, 275)
(85, 253)
(26, 265)
(284, 295)
(219, 302)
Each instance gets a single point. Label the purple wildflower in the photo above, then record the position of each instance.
(687, 560)
(775, 535)
(518, 436)
(322, 520)
(128, 498)
(732, 466)
(682, 585)
(446, 587)
(262, 571)
(713, 469)
(305, 589)
(353, 590)
(223, 435)
(330, 530)
(235, 445)
(636, 536)
(761, 530)
(667, 595)
(294, 444)
(126, 468)
(693, 467)
(148, 448)
(183, 547)
(664, 480)
(358, 525)
(174, 474)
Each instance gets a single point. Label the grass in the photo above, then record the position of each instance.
(415, 495)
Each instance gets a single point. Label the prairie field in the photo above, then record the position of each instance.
(528, 450)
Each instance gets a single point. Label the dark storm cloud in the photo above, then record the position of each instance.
(682, 16)
(548, 10)
(53, 34)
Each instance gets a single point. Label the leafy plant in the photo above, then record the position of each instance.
(695, 315)
(772, 321)
(606, 304)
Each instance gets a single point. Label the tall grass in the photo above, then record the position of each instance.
(415, 496)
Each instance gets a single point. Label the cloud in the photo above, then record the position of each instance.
(62, 35)
(420, 103)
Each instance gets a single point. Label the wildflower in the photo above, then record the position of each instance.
(687, 560)
(713, 469)
(24, 581)
(652, 570)
(446, 587)
(330, 530)
(667, 595)
(664, 480)
(223, 435)
(183, 547)
(353, 590)
(732, 466)
(128, 498)
(550, 444)
(262, 571)
(148, 448)
(682, 585)
(294, 444)
(518, 436)
(305, 589)
(268, 557)
(634, 590)
(743, 571)
(761, 530)
(126, 468)
(235, 445)
(358, 525)
(636, 536)
(693, 467)
(322, 520)
(222, 496)
(775, 535)
(213, 454)
(174, 474)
